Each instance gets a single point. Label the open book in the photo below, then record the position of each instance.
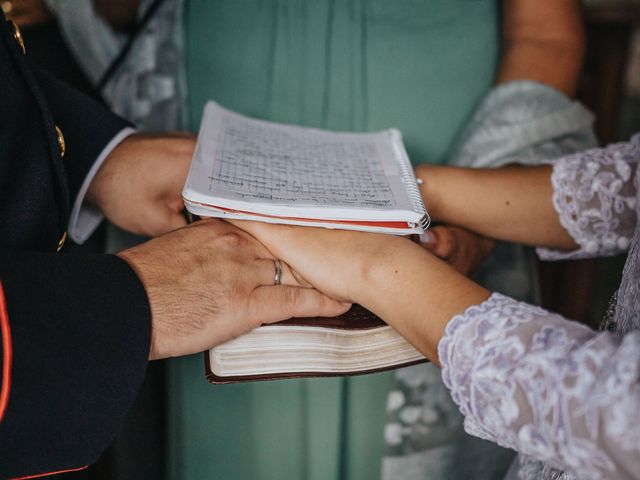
(246, 168)
(251, 169)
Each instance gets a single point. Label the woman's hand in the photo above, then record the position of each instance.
(463, 250)
(334, 261)
(398, 280)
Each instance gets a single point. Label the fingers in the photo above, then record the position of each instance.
(463, 250)
(266, 274)
(440, 241)
(277, 303)
(274, 237)
(259, 261)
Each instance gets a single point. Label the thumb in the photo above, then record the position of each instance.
(440, 241)
(271, 304)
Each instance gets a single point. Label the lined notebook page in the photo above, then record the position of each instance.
(249, 161)
(254, 161)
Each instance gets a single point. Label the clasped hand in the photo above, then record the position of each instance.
(138, 187)
(211, 281)
(207, 282)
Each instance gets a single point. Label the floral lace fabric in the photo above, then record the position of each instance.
(595, 197)
(564, 396)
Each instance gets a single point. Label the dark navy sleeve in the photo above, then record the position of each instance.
(86, 125)
(80, 337)
(76, 329)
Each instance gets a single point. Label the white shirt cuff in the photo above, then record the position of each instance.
(85, 218)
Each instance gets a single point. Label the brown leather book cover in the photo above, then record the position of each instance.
(357, 318)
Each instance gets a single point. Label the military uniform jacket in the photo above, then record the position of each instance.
(75, 328)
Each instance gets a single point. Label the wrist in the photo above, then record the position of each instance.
(138, 264)
(430, 189)
(106, 175)
(417, 294)
(382, 273)
(95, 187)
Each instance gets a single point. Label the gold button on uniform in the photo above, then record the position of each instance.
(62, 241)
(7, 7)
(63, 149)
(17, 35)
(61, 144)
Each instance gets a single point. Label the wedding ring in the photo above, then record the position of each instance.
(7, 7)
(278, 277)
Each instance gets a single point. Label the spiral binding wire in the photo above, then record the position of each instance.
(409, 179)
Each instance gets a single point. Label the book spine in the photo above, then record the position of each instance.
(409, 180)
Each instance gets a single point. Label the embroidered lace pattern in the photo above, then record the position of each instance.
(564, 396)
(595, 196)
(549, 388)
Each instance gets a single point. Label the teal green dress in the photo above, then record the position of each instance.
(420, 66)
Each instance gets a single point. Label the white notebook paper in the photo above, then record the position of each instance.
(246, 168)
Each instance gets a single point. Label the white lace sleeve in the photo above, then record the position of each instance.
(594, 193)
(547, 387)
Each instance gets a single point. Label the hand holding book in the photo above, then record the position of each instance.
(384, 273)
(248, 169)
(251, 169)
(402, 283)
(216, 284)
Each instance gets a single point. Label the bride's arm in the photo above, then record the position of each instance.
(586, 200)
(593, 193)
(523, 377)
(509, 203)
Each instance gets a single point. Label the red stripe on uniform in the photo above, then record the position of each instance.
(7, 354)
(7, 357)
(39, 475)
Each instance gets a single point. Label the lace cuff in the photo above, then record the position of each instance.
(547, 387)
(594, 193)
(463, 347)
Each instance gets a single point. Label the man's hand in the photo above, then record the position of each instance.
(210, 282)
(463, 250)
(139, 185)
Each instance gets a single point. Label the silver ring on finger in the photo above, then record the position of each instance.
(278, 278)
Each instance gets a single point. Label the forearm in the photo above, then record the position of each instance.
(512, 204)
(395, 289)
(543, 41)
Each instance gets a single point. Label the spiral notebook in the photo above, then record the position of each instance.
(245, 168)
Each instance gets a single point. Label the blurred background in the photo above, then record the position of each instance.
(609, 87)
